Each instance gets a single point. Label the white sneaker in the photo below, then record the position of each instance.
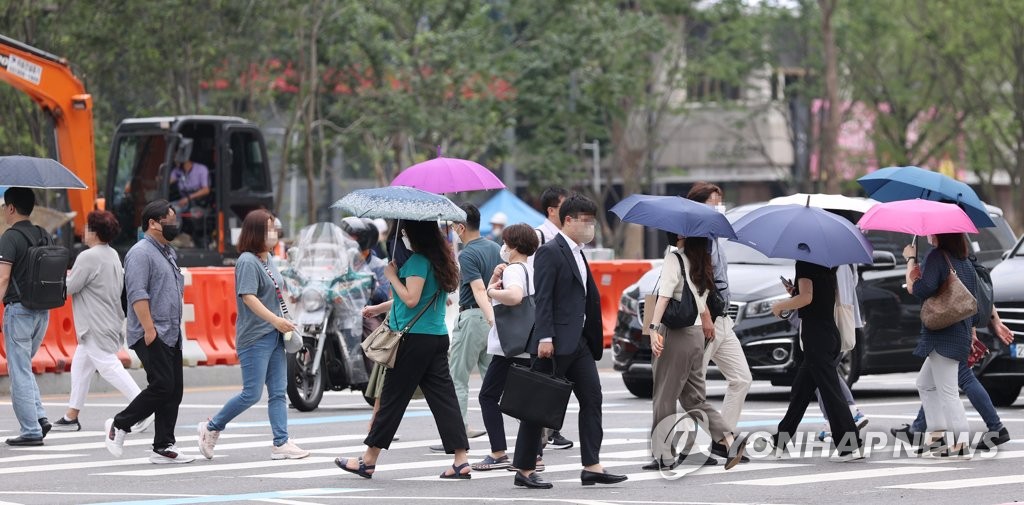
(144, 424)
(287, 450)
(169, 455)
(207, 439)
(114, 438)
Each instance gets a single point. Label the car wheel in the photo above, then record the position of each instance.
(641, 388)
(1002, 391)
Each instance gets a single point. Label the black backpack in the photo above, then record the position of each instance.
(47, 273)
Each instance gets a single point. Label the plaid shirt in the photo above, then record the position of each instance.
(953, 342)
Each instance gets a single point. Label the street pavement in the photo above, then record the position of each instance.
(76, 467)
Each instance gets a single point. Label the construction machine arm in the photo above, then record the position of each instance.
(48, 80)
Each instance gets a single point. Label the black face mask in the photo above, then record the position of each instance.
(170, 231)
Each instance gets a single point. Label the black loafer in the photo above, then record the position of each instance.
(695, 459)
(533, 481)
(23, 441)
(589, 478)
(657, 464)
(45, 425)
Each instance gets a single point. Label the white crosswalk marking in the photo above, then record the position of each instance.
(843, 475)
(707, 470)
(213, 467)
(963, 483)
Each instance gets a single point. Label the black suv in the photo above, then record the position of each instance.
(891, 315)
(1002, 370)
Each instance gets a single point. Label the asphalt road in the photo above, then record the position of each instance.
(76, 468)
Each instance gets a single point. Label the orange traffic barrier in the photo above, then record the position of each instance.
(612, 277)
(212, 295)
(43, 361)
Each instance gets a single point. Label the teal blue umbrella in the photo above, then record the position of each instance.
(892, 184)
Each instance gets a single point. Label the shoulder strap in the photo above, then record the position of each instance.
(540, 234)
(527, 273)
(417, 318)
(682, 269)
(32, 243)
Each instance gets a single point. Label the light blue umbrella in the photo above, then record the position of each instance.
(400, 202)
(803, 233)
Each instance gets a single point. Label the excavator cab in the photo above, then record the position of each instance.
(171, 158)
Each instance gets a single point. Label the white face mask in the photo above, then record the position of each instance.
(587, 233)
(271, 241)
(720, 208)
(934, 242)
(506, 254)
(405, 241)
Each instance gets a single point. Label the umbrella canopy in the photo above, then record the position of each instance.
(448, 175)
(825, 201)
(676, 214)
(29, 172)
(399, 202)
(803, 233)
(516, 210)
(917, 217)
(906, 183)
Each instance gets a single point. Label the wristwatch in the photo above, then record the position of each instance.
(655, 327)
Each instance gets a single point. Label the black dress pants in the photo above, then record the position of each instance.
(818, 371)
(422, 361)
(162, 395)
(581, 369)
(490, 394)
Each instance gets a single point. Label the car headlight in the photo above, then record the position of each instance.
(628, 304)
(762, 307)
(312, 300)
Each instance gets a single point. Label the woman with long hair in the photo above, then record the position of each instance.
(259, 339)
(95, 283)
(945, 348)
(422, 283)
(679, 356)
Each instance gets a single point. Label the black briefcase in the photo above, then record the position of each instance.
(535, 397)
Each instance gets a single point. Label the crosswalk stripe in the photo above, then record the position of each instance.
(78, 465)
(962, 483)
(707, 470)
(138, 440)
(37, 457)
(817, 478)
(203, 467)
(549, 469)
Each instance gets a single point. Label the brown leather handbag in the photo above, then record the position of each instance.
(951, 304)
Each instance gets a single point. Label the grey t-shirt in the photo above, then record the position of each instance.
(477, 261)
(95, 285)
(251, 279)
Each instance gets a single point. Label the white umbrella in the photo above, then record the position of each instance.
(824, 201)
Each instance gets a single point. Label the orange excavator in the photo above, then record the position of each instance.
(48, 80)
(147, 157)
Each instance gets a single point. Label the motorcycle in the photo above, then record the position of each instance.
(327, 293)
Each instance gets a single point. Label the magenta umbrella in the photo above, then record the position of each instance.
(448, 175)
(917, 217)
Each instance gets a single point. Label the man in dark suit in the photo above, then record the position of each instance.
(568, 330)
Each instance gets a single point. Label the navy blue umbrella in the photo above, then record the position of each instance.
(676, 214)
(907, 183)
(803, 233)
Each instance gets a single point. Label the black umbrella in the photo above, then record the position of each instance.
(29, 172)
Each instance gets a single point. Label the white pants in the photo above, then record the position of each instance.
(89, 359)
(727, 353)
(940, 395)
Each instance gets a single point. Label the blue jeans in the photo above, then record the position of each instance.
(24, 330)
(262, 363)
(979, 398)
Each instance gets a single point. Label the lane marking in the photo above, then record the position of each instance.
(817, 478)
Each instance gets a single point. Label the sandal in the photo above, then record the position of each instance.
(458, 472)
(490, 463)
(361, 471)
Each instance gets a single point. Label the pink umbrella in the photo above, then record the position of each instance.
(448, 175)
(917, 217)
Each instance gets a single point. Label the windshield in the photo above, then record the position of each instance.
(739, 253)
(323, 252)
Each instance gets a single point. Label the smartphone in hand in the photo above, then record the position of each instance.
(786, 282)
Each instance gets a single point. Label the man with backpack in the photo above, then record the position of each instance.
(23, 327)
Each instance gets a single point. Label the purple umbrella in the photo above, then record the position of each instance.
(448, 175)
